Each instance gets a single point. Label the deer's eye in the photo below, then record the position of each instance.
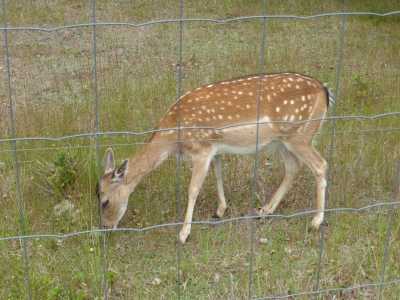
(104, 204)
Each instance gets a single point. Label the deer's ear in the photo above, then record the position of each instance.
(121, 171)
(108, 162)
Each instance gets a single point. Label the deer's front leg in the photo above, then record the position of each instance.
(216, 166)
(200, 168)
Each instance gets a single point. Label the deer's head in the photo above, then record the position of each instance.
(112, 191)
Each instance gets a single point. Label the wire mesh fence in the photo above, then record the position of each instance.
(93, 137)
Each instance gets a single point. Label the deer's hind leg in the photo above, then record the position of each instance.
(292, 168)
(307, 153)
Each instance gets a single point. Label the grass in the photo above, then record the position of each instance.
(137, 69)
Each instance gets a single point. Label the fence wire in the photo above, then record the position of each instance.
(97, 134)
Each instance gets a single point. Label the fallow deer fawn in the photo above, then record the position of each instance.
(222, 118)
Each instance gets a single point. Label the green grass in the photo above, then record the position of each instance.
(137, 70)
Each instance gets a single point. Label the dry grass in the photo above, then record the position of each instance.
(53, 95)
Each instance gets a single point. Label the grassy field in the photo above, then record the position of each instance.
(53, 95)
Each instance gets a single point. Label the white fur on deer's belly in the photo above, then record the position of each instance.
(242, 150)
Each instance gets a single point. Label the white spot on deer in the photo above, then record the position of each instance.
(250, 94)
(229, 103)
(207, 119)
(210, 85)
(300, 117)
(220, 117)
(303, 98)
(269, 97)
(272, 87)
(285, 102)
(207, 96)
(199, 88)
(277, 109)
(291, 118)
(247, 106)
(212, 110)
(297, 111)
(200, 112)
(297, 86)
(308, 96)
(237, 116)
(190, 100)
(291, 102)
(229, 117)
(282, 89)
(284, 80)
(200, 119)
(289, 85)
(240, 93)
(290, 78)
(285, 118)
(193, 115)
(235, 97)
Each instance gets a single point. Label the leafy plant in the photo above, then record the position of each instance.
(58, 175)
(361, 87)
(63, 173)
(55, 292)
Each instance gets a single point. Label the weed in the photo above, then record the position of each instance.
(63, 172)
(55, 292)
(59, 175)
(361, 87)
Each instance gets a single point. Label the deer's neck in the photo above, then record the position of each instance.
(144, 162)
